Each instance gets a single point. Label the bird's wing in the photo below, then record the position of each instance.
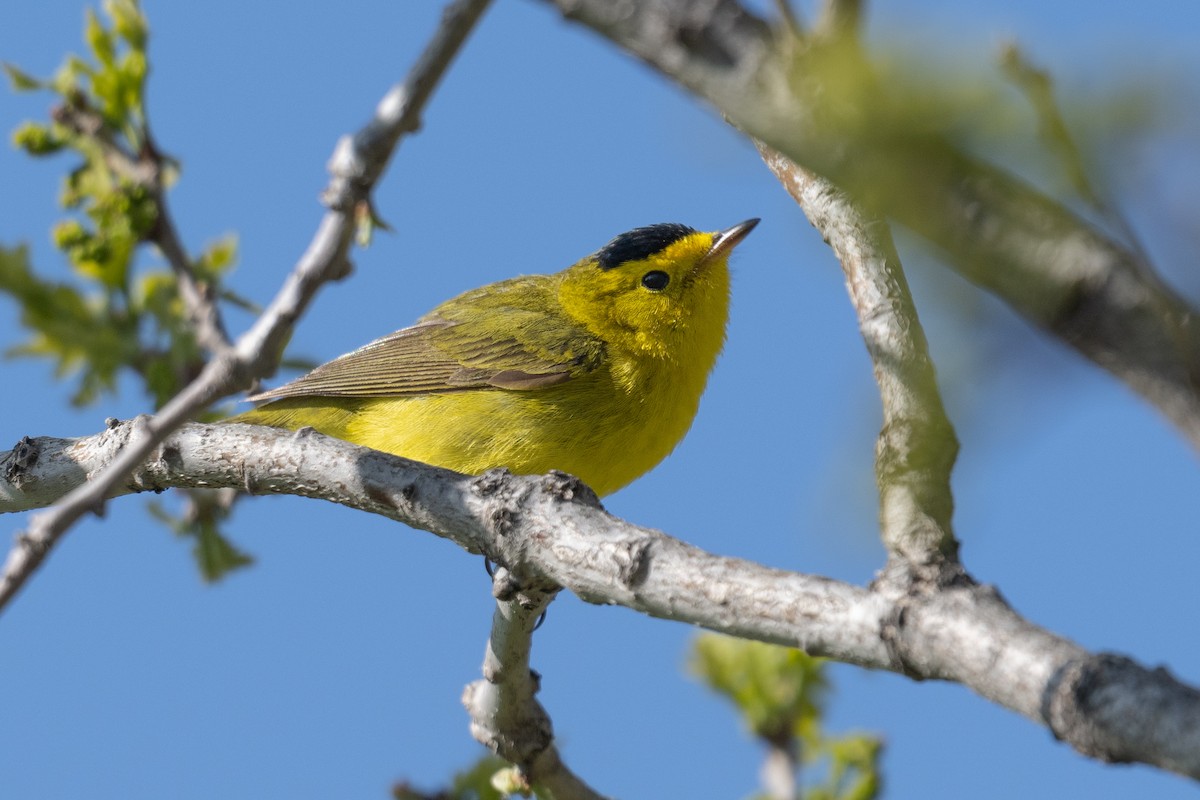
(507, 348)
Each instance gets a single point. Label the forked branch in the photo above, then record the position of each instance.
(356, 166)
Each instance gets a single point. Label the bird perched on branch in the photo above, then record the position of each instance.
(596, 370)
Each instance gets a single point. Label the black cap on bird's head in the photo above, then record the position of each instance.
(661, 291)
(641, 243)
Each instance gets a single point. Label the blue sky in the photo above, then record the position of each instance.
(335, 666)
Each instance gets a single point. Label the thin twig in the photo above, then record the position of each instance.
(505, 714)
(357, 164)
(1035, 83)
(780, 769)
(198, 298)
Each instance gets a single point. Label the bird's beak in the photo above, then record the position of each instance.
(727, 239)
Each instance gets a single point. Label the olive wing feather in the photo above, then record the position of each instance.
(506, 347)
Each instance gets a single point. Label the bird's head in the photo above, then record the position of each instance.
(659, 291)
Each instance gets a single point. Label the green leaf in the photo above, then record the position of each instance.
(780, 693)
(129, 22)
(69, 233)
(173, 357)
(108, 87)
(777, 690)
(216, 556)
(66, 80)
(133, 70)
(98, 39)
(162, 379)
(854, 768)
(366, 221)
(14, 266)
(217, 259)
(21, 81)
(37, 140)
(78, 335)
(473, 783)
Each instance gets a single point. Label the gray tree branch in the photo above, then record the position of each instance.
(551, 531)
(505, 714)
(914, 456)
(917, 446)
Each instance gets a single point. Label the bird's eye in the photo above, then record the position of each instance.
(656, 280)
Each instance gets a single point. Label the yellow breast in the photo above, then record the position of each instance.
(607, 428)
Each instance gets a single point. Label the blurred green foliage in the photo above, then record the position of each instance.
(113, 316)
(780, 692)
(200, 521)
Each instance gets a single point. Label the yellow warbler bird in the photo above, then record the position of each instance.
(596, 370)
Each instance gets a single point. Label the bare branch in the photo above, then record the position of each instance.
(1035, 84)
(1048, 263)
(1038, 88)
(198, 297)
(357, 164)
(917, 446)
(505, 714)
(551, 531)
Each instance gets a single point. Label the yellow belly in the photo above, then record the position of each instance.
(605, 432)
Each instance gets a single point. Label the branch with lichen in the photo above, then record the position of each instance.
(550, 531)
(917, 446)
